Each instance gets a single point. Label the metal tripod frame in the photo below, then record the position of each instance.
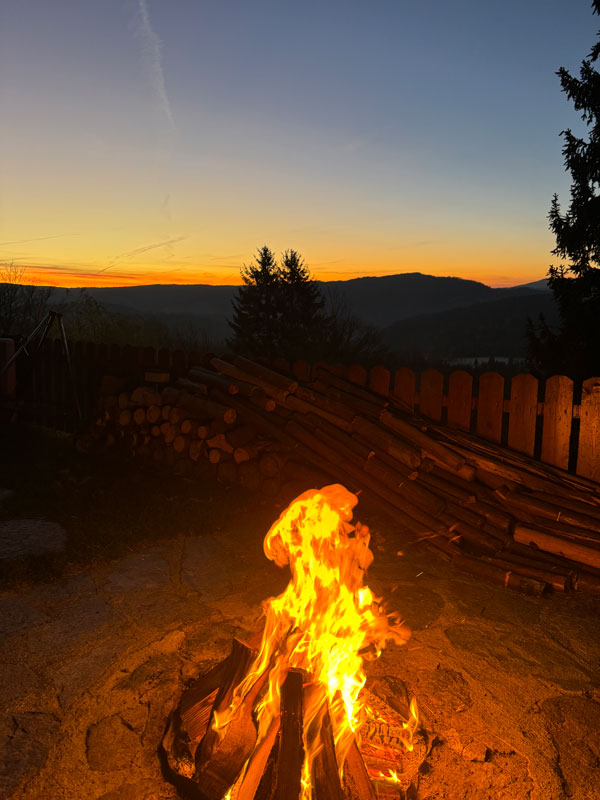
(45, 326)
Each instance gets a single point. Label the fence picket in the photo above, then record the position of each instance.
(379, 381)
(523, 413)
(431, 393)
(588, 456)
(357, 374)
(557, 421)
(460, 400)
(490, 406)
(403, 392)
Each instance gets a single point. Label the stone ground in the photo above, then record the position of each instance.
(508, 686)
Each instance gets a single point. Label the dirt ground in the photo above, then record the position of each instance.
(93, 661)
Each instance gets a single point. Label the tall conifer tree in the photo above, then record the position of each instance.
(575, 283)
(257, 308)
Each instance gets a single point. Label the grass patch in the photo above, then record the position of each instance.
(107, 504)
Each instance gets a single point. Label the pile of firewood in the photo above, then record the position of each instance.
(493, 513)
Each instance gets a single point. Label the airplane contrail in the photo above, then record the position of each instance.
(152, 47)
(140, 250)
(38, 238)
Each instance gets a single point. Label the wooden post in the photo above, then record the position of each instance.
(490, 406)
(460, 400)
(523, 413)
(557, 421)
(588, 455)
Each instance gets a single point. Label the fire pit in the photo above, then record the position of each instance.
(288, 715)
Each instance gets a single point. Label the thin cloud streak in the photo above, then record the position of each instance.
(138, 251)
(152, 46)
(38, 239)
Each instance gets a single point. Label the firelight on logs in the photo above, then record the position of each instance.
(286, 720)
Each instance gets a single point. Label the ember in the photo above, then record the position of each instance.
(292, 716)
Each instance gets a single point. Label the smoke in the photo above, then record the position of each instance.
(152, 51)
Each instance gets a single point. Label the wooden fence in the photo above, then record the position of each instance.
(539, 419)
(553, 421)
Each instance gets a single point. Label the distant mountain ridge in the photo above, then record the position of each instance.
(378, 301)
(494, 329)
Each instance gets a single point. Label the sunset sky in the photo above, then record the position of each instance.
(164, 141)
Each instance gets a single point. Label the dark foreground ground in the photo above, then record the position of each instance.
(159, 575)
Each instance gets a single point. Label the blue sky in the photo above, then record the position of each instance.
(165, 140)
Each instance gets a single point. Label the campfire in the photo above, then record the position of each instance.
(288, 716)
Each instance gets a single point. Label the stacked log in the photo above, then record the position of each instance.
(491, 512)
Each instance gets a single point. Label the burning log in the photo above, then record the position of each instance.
(278, 722)
(290, 759)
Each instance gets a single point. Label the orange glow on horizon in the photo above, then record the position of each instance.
(70, 278)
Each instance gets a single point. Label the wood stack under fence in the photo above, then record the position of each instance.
(491, 512)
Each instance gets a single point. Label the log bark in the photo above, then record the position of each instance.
(188, 427)
(437, 483)
(181, 444)
(356, 781)
(220, 758)
(203, 408)
(145, 396)
(531, 505)
(565, 531)
(379, 438)
(415, 495)
(303, 407)
(217, 456)
(241, 436)
(154, 414)
(560, 581)
(372, 402)
(259, 376)
(269, 376)
(219, 441)
(248, 453)
(498, 575)
(257, 765)
(139, 416)
(421, 440)
(325, 775)
(476, 540)
(552, 543)
(213, 380)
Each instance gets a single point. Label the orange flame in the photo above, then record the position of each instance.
(325, 623)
